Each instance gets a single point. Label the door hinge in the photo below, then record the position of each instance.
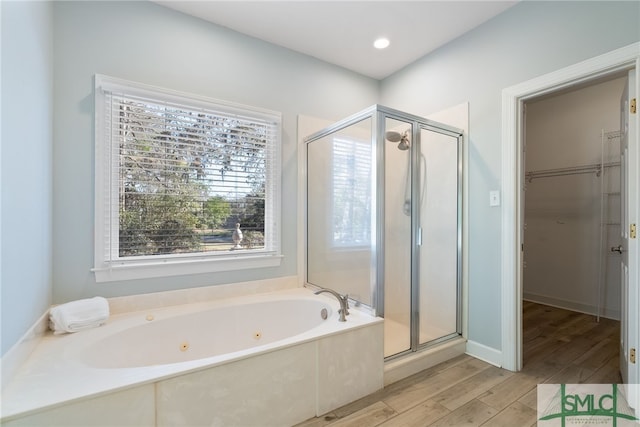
(632, 106)
(632, 231)
(632, 355)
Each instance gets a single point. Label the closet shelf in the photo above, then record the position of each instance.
(573, 170)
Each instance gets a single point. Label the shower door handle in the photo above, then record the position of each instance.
(419, 239)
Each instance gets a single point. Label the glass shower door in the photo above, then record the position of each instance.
(439, 248)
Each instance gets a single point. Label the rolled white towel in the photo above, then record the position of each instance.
(78, 315)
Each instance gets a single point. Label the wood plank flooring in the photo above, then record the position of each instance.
(559, 346)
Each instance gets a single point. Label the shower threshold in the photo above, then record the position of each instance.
(400, 367)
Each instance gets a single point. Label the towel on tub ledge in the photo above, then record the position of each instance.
(77, 315)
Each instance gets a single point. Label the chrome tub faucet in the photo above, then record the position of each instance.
(344, 302)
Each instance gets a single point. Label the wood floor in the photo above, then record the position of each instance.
(559, 346)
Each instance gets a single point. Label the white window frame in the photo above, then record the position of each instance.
(108, 266)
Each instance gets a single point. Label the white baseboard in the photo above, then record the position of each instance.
(572, 305)
(483, 352)
(20, 351)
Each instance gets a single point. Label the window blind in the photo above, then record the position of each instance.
(351, 192)
(183, 175)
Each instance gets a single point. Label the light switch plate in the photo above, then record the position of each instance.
(494, 198)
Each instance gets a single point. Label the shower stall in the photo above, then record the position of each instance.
(384, 222)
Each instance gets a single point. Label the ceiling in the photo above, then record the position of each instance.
(342, 32)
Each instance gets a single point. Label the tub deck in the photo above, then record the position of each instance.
(55, 376)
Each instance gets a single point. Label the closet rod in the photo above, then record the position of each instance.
(574, 170)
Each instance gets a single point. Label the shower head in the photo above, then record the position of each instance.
(402, 138)
(393, 136)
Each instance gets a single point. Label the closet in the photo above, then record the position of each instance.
(572, 199)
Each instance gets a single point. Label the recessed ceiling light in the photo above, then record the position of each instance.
(381, 43)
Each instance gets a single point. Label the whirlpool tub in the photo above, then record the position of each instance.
(269, 359)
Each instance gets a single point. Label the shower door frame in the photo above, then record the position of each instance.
(417, 125)
(378, 114)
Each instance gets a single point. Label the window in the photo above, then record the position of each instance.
(351, 193)
(184, 184)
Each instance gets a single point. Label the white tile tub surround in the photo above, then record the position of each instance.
(55, 376)
(127, 304)
(133, 407)
(348, 367)
(280, 388)
(275, 389)
(17, 354)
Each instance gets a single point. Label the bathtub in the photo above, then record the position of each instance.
(270, 359)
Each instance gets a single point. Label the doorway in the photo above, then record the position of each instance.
(571, 199)
(623, 59)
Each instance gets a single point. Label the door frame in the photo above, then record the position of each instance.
(513, 98)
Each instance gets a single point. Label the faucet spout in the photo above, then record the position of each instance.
(342, 299)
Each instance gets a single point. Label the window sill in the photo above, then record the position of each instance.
(146, 270)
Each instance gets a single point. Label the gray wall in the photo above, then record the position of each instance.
(528, 40)
(27, 87)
